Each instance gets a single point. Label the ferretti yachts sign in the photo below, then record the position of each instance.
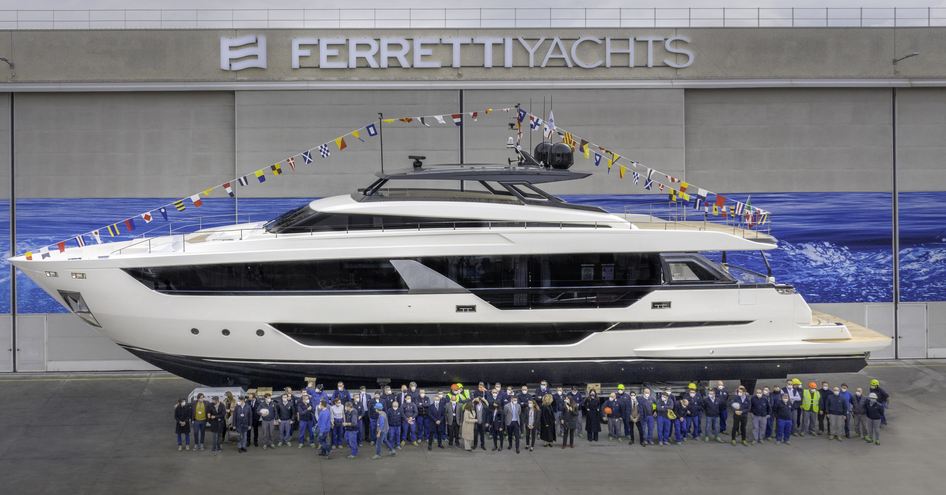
(583, 52)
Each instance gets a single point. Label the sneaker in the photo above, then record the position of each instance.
(876, 442)
(787, 442)
(734, 441)
(187, 448)
(868, 439)
(350, 456)
(719, 440)
(393, 453)
(745, 443)
(376, 456)
(180, 448)
(301, 445)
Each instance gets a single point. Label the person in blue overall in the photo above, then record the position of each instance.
(325, 429)
(306, 413)
(648, 407)
(352, 424)
(664, 408)
(382, 431)
(395, 420)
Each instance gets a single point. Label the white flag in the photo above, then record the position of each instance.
(549, 126)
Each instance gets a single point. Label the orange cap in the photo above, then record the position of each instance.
(454, 387)
(812, 385)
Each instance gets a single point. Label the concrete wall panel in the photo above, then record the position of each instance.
(73, 345)
(786, 140)
(122, 144)
(921, 139)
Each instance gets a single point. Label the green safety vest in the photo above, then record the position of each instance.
(809, 401)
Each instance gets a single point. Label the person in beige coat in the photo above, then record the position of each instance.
(467, 426)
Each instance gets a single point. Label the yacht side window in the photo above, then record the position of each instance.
(690, 271)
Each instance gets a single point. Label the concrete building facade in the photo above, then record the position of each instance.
(100, 114)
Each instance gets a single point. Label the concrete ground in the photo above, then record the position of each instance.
(98, 434)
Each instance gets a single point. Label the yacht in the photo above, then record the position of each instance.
(450, 273)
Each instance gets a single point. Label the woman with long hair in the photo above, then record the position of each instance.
(592, 416)
(547, 421)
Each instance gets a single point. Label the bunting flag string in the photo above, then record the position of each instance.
(699, 200)
(276, 169)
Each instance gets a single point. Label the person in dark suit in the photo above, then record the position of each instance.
(182, 423)
(511, 415)
(435, 421)
(452, 416)
(242, 419)
(479, 428)
(496, 425)
(592, 416)
(253, 402)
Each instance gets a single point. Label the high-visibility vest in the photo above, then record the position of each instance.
(810, 401)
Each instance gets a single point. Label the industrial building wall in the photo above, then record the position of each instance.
(85, 148)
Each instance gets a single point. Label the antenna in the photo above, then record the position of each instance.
(381, 138)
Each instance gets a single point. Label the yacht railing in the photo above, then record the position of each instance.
(201, 229)
(676, 216)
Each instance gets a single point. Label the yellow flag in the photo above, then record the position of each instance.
(673, 195)
(340, 142)
(621, 170)
(208, 191)
(356, 134)
(715, 210)
(587, 150)
(684, 196)
(683, 187)
(388, 121)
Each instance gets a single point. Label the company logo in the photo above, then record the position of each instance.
(243, 53)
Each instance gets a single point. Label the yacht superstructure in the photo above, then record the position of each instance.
(489, 278)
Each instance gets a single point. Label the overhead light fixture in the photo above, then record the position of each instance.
(896, 60)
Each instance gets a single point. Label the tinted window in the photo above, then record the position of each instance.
(690, 271)
(327, 275)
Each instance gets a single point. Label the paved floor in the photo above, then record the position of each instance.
(98, 434)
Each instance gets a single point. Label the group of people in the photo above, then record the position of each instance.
(460, 418)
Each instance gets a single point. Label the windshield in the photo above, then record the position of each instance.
(288, 218)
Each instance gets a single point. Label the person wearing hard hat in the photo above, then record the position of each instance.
(810, 406)
(463, 396)
(875, 415)
(382, 432)
(624, 401)
(883, 398)
(695, 400)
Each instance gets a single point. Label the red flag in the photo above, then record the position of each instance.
(130, 225)
(720, 200)
(61, 246)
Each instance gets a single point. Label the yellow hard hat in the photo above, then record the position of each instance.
(459, 385)
(691, 386)
(620, 386)
(796, 381)
(875, 383)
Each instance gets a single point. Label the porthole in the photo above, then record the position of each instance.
(225, 332)
(195, 331)
(260, 332)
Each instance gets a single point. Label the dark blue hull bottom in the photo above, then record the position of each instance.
(223, 372)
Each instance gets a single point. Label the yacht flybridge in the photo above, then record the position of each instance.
(478, 274)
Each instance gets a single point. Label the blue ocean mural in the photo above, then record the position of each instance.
(834, 247)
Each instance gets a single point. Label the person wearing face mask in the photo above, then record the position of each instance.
(435, 421)
(423, 408)
(547, 424)
(681, 411)
(242, 419)
(285, 414)
(648, 417)
(569, 422)
(634, 415)
(511, 414)
(579, 399)
(542, 391)
(740, 406)
(373, 415)
(396, 422)
(338, 417)
(761, 409)
(624, 401)
(325, 429)
(266, 412)
(525, 396)
(612, 411)
(252, 401)
(199, 420)
(341, 394)
(592, 412)
(452, 415)
(771, 399)
(497, 426)
(217, 417)
(306, 413)
(182, 424)
(882, 397)
(359, 408)
(481, 423)
(558, 405)
(875, 416)
(480, 391)
(859, 411)
(664, 411)
(848, 399)
(362, 404)
(468, 426)
(351, 424)
(823, 424)
(723, 397)
(410, 421)
(784, 417)
(711, 407)
(388, 397)
(793, 389)
(530, 423)
(811, 407)
(695, 399)
(836, 410)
